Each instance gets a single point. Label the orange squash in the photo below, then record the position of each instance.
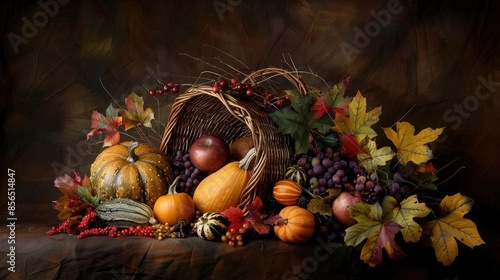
(297, 225)
(173, 207)
(287, 192)
(223, 188)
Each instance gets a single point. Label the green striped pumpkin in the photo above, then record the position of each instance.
(211, 226)
(297, 174)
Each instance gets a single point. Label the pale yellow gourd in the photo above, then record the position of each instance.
(223, 188)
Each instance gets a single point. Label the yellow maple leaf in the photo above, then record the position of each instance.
(358, 122)
(403, 214)
(412, 147)
(371, 157)
(452, 226)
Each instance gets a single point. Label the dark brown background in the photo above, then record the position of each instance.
(427, 61)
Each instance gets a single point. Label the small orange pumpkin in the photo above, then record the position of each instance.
(173, 207)
(287, 192)
(297, 225)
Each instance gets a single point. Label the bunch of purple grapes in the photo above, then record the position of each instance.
(190, 175)
(369, 187)
(326, 169)
(398, 188)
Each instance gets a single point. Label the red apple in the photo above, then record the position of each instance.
(209, 153)
(340, 207)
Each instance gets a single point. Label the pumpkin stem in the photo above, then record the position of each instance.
(173, 187)
(132, 157)
(247, 160)
(282, 221)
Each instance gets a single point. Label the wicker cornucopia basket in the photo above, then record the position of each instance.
(200, 110)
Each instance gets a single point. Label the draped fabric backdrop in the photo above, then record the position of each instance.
(431, 63)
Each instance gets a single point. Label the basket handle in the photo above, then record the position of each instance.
(293, 77)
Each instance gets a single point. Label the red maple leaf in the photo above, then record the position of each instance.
(320, 108)
(349, 146)
(386, 241)
(236, 216)
(106, 124)
(426, 168)
(257, 220)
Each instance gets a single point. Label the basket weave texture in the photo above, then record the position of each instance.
(200, 110)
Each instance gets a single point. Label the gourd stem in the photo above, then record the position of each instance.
(247, 160)
(132, 157)
(173, 187)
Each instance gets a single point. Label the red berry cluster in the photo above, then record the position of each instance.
(139, 230)
(62, 227)
(170, 87)
(88, 220)
(234, 86)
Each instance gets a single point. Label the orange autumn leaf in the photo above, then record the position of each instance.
(412, 147)
(452, 226)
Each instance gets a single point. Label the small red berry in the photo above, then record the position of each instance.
(170, 84)
(234, 80)
(160, 92)
(167, 88)
(223, 83)
(249, 92)
(175, 89)
(152, 92)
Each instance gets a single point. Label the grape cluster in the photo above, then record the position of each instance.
(325, 169)
(329, 228)
(398, 187)
(234, 237)
(190, 175)
(369, 187)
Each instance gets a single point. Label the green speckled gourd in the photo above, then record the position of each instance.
(131, 170)
(211, 226)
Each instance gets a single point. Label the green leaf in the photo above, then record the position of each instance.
(323, 124)
(86, 196)
(287, 120)
(111, 112)
(330, 139)
(335, 96)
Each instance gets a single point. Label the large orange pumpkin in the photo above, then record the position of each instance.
(131, 170)
(297, 225)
